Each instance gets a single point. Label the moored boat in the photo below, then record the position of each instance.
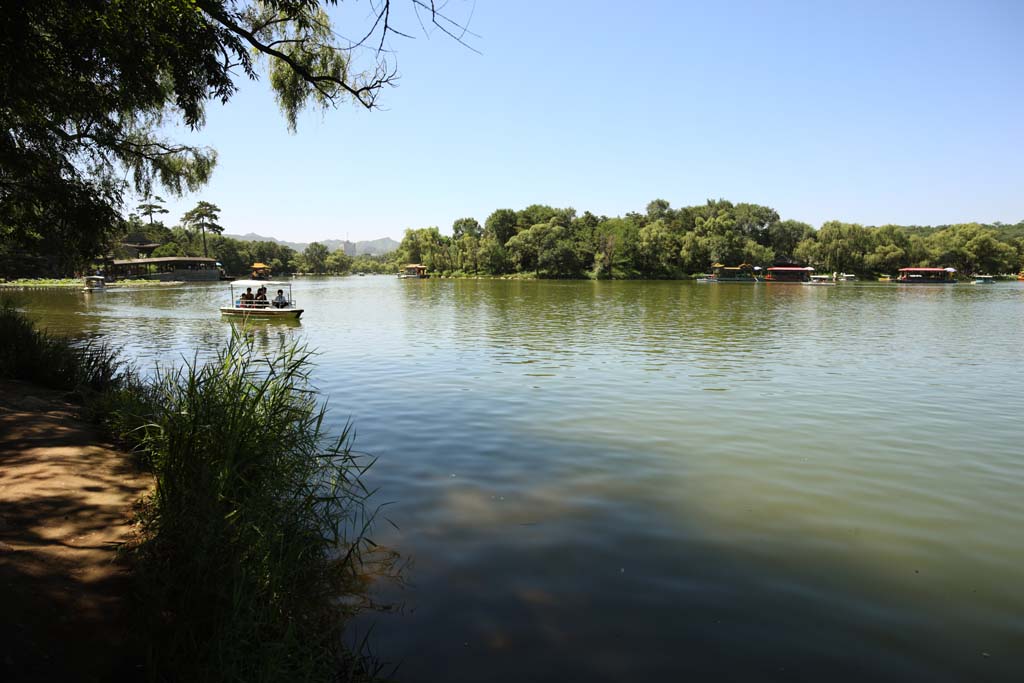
(244, 304)
(414, 271)
(983, 280)
(927, 276)
(795, 274)
(821, 281)
(846, 277)
(260, 271)
(741, 273)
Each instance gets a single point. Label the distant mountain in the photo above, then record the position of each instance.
(375, 247)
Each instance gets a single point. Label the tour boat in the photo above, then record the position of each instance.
(260, 271)
(722, 273)
(94, 283)
(927, 276)
(983, 280)
(846, 277)
(261, 309)
(789, 274)
(821, 280)
(414, 271)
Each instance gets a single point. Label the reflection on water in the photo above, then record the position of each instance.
(628, 481)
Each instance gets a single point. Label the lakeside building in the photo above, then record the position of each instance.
(166, 268)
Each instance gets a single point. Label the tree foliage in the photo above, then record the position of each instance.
(314, 258)
(203, 217)
(88, 84)
(663, 242)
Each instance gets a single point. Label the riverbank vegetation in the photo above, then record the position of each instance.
(253, 551)
(76, 283)
(33, 355)
(668, 243)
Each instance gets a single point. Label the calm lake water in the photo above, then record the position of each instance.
(625, 481)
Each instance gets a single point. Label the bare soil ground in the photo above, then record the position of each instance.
(66, 497)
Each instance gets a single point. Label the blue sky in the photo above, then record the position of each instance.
(870, 112)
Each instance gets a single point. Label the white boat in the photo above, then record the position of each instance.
(94, 283)
(846, 277)
(821, 281)
(244, 307)
(984, 280)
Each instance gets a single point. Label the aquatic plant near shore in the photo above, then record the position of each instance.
(255, 535)
(253, 549)
(36, 356)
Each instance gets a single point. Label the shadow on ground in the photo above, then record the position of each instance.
(65, 500)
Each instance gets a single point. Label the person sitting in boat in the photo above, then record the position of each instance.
(261, 297)
(245, 301)
(280, 301)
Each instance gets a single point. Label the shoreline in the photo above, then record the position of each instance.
(77, 284)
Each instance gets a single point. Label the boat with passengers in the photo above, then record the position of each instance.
(984, 280)
(927, 276)
(278, 302)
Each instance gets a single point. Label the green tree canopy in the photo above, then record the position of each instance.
(466, 226)
(338, 262)
(203, 218)
(151, 208)
(87, 85)
(501, 225)
(315, 257)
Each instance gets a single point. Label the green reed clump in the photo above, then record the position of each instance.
(56, 362)
(254, 538)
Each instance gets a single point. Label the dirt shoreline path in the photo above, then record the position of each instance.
(65, 496)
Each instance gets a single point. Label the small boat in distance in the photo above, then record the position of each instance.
(414, 271)
(269, 308)
(983, 280)
(722, 273)
(260, 271)
(846, 277)
(885, 278)
(94, 283)
(789, 274)
(927, 276)
(821, 281)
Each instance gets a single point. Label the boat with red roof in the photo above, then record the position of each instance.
(927, 276)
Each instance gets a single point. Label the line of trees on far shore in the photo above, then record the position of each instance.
(546, 242)
(667, 243)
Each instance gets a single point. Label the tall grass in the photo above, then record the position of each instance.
(255, 534)
(253, 551)
(29, 354)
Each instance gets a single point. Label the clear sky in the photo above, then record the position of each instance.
(872, 112)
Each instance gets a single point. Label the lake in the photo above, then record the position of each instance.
(623, 481)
